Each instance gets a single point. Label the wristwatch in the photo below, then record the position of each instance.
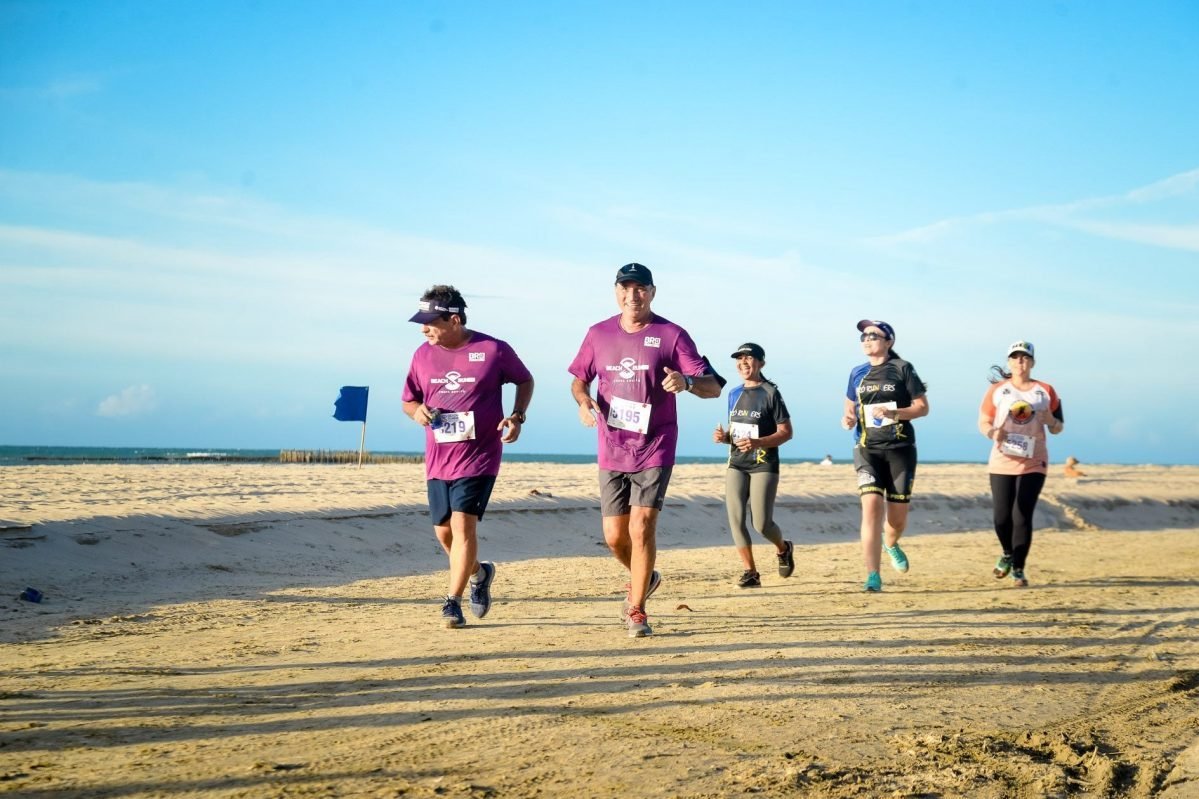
(689, 381)
(519, 416)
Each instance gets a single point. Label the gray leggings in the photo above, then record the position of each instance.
(757, 490)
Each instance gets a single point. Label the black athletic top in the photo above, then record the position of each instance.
(892, 381)
(761, 407)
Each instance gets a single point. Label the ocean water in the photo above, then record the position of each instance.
(43, 456)
(17, 455)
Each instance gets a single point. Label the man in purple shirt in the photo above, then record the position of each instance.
(642, 361)
(455, 390)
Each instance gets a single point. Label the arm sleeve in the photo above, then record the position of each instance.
(987, 407)
(514, 369)
(781, 414)
(1055, 404)
(583, 366)
(687, 356)
(914, 384)
(413, 391)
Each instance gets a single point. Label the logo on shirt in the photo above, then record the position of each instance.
(477, 357)
(1021, 411)
(652, 341)
(628, 368)
(453, 381)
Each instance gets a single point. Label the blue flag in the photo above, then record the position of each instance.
(351, 404)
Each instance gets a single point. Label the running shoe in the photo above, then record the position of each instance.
(655, 580)
(451, 613)
(787, 560)
(750, 579)
(1019, 579)
(1003, 567)
(874, 583)
(638, 623)
(480, 592)
(898, 559)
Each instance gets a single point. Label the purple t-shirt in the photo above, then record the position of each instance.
(630, 371)
(469, 378)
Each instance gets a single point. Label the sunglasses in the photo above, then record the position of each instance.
(873, 337)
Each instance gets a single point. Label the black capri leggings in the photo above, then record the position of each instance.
(1014, 498)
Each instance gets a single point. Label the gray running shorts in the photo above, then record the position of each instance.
(621, 490)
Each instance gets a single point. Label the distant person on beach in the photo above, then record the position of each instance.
(759, 424)
(828, 461)
(641, 361)
(1071, 468)
(883, 397)
(1015, 413)
(455, 390)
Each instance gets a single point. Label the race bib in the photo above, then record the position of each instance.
(455, 426)
(883, 422)
(1018, 446)
(628, 415)
(740, 430)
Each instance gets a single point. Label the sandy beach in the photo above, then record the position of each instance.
(274, 630)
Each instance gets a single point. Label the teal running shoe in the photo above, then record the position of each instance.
(874, 583)
(1003, 567)
(1019, 579)
(898, 559)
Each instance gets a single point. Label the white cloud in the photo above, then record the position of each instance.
(1175, 237)
(133, 401)
(1075, 216)
(1173, 186)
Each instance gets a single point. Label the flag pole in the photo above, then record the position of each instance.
(362, 444)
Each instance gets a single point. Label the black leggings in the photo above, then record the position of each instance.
(1014, 498)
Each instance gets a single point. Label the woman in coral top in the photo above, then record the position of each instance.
(1015, 413)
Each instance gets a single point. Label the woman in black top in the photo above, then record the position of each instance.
(883, 397)
(758, 423)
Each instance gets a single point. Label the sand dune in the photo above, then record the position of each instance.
(265, 630)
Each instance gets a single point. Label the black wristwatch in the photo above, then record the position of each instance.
(688, 381)
(519, 416)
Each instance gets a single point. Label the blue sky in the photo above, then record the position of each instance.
(214, 215)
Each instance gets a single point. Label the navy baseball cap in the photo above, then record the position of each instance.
(635, 272)
(749, 348)
(888, 331)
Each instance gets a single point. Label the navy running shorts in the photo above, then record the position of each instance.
(464, 494)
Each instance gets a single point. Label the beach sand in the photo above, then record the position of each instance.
(270, 631)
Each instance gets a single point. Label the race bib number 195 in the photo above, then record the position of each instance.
(628, 415)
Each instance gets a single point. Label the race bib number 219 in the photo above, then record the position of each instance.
(452, 427)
